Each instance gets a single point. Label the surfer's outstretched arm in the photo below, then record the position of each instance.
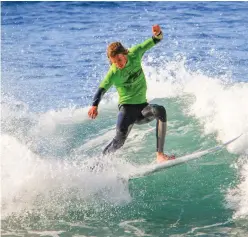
(140, 49)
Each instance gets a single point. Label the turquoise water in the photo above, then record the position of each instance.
(53, 57)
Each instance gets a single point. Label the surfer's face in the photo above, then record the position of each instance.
(120, 60)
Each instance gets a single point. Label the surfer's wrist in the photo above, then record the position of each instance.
(157, 38)
(159, 35)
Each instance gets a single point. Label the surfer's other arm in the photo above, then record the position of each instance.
(104, 86)
(96, 100)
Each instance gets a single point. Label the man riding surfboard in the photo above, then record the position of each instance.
(127, 75)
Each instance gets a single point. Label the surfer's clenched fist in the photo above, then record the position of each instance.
(156, 30)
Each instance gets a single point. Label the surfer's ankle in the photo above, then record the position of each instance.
(161, 157)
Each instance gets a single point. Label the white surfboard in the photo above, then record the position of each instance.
(147, 170)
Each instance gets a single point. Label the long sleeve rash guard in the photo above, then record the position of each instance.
(130, 81)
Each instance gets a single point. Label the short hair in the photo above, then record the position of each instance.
(116, 48)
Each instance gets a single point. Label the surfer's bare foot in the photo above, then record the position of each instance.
(161, 157)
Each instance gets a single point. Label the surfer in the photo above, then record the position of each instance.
(127, 75)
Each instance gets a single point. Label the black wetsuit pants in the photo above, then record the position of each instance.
(129, 115)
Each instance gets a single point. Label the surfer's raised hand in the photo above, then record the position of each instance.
(156, 30)
(93, 112)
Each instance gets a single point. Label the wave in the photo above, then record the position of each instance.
(220, 106)
(46, 156)
(34, 184)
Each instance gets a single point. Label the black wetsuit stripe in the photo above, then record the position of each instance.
(98, 96)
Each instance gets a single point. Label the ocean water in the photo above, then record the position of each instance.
(53, 56)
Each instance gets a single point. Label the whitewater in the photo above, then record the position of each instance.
(39, 183)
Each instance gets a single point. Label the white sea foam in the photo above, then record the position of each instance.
(220, 106)
(30, 182)
(237, 197)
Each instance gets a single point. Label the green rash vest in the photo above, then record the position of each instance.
(130, 81)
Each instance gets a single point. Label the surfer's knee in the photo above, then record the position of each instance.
(154, 111)
(160, 112)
